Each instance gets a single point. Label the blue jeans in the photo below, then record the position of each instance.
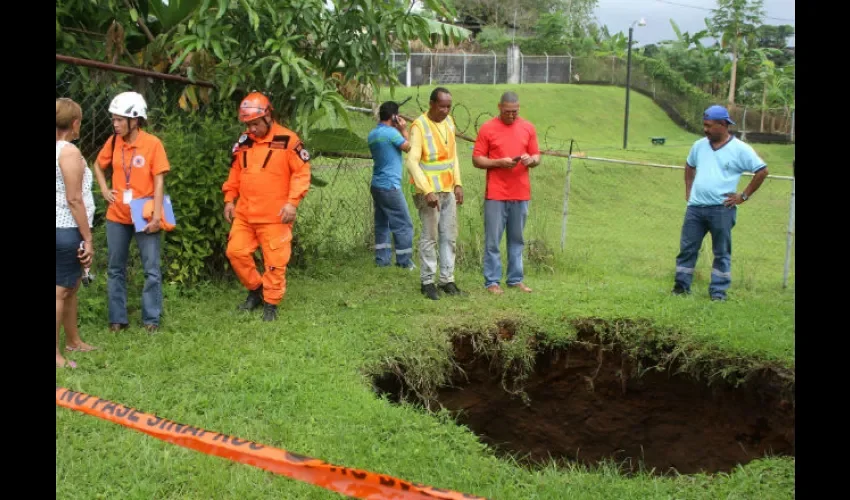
(719, 221)
(392, 216)
(499, 215)
(118, 238)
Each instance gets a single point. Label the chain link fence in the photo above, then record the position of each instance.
(332, 218)
(438, 68)
(336, 218)
(763, 235)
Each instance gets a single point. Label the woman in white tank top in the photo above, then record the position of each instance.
(64, 217)
(74, 217)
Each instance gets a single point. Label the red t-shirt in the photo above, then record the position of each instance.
(497, 140)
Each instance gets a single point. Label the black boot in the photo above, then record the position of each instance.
(451, 289)
(430, 291)
(253, 301)
(269, 312)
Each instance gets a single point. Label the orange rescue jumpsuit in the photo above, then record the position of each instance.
(266, 173)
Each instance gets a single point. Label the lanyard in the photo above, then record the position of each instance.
(127, 171)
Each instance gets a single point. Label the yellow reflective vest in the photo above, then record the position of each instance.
(432, 159)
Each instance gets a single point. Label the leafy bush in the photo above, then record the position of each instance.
(198, 146)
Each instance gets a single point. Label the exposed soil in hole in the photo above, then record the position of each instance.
(584, 406)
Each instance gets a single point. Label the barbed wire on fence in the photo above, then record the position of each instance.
(337, 217)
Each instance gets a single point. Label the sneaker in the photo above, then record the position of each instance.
(152, 329)
(269, 312)
(430, 291)
(679, 290)
(450, 289)
(253, 301)
(718, 298)
(117, 327)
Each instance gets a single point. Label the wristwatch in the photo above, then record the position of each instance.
(744, 196)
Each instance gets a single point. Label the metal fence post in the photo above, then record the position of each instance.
(464, 65)
(792, 126)
(409, 58)
(790, 235)
(570, 71)
(547, 67)
(521, 65)
(494, 66)
(566, 201)
(431, 70)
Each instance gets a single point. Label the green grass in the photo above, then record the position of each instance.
(304, 382)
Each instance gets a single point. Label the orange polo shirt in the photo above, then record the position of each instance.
(134, 165)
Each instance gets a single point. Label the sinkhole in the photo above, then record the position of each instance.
(593, 401)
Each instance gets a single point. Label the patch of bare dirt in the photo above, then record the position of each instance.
(582, 403)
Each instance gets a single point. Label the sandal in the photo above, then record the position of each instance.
(522, 286)
(80, 349)
(67, 364)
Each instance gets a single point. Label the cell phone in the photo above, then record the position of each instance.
(516, 158)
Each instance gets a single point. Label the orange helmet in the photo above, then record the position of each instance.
(254, 105)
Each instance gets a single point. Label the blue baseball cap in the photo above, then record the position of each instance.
(717, 113)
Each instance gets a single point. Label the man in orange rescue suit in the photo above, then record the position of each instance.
(269, 176)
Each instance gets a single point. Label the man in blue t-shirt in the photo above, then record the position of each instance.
(715, 164)
(386, 142)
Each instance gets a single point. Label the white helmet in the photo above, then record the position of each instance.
(129, 104)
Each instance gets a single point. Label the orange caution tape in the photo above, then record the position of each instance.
(352, 482)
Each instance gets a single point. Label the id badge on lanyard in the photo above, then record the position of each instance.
(128, 169)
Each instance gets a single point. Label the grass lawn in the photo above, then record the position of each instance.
(304, 383)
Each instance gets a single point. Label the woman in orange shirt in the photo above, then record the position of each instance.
(139, 165)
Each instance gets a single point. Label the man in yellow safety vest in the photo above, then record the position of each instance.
(435, 175)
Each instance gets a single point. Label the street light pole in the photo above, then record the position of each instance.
(642, 22)
(628, 81)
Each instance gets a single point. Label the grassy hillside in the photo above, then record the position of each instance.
(304, 383)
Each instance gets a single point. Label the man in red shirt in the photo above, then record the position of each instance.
(507, 148)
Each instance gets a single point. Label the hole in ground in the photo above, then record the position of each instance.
(581, 404)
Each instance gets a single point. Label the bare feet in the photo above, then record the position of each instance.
(80, 347)
(495, 290)
(522, 287)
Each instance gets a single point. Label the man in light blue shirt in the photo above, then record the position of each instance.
(386, 142)
(714, 166)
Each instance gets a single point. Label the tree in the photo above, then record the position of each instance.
(299, 52)
(701, 65)
(776, 86)
(776, 37)
(650, 50)
(524, 15)
(734, 23)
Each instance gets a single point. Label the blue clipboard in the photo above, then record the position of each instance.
(136, 212)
